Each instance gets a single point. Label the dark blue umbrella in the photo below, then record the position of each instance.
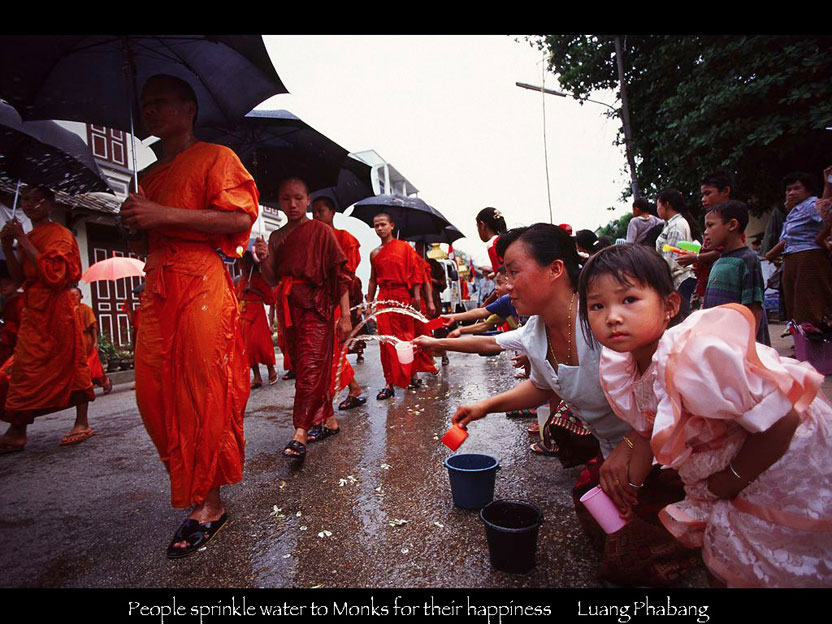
(95, 78)
(411, 215)
(43, 153)
(354, 184)
(448, 235)
(275, 145)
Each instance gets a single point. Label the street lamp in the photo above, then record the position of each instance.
(627, 138)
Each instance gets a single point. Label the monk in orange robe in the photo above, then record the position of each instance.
(89, 337)
(323, 210)
(49, 370)
(254, 295)
(396, 271)
(12, 309)
(192, 380)
(423, 358)
(304, 256)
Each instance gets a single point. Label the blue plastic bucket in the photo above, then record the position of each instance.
(472, 479)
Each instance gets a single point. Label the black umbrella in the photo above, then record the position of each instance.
(44, 153)
(448, 235)
(354, 184)
(275, 145)
(95, 78)
(411, 215)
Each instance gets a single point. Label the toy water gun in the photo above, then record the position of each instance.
(684, 247)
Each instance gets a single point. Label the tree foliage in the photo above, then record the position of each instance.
(758, 106)
(617, 228)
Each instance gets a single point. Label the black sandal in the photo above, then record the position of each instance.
(350, 402)
(298, 447)
(288, 375)
(385, 394)
(321, 433)
(197, 534)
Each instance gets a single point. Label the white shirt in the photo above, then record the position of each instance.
(579, 386)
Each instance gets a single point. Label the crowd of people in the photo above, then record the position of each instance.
(654, 361)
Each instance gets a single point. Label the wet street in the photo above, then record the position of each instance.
(98, 514)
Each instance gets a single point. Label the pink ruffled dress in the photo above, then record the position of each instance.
(714, 387)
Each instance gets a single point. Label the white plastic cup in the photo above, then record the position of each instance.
(603, 510)
(404, 351)
(542, 416)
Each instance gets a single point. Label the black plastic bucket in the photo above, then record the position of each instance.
(511, 528)
(472, 479)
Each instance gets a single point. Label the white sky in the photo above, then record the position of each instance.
(444, 110)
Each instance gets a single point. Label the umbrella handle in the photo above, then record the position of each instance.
(16, 195)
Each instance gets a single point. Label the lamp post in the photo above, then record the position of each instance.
(624, 119)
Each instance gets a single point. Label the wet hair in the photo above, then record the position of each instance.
(184, 91)
(385, 214)
(644, 205)
(545, 243)
(327, 200)
(806, 179)
(586, 239)
(732, 209)
(294, 179)
(719, 179)
(629, 264)
(47, 193)
(677, 202)
(493, 219)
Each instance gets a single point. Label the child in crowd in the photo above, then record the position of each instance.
(736, 277)
(749, 431)
(500, 313)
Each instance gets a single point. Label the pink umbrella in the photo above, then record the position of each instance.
(114, 269)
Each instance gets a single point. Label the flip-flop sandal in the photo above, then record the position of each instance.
(523, 413)
(534, 429)
(197, 534)
(256, 385)
(10, 448)
(538, 448)
(385, 394)
(76, 438)
(273, 380)
(322, 433)
(445, 360)
(298, 447)
(108, 387)
(351, 401)
(289, 375)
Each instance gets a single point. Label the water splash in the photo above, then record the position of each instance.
(398, 308)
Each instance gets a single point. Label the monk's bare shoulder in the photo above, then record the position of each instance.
(374, 252)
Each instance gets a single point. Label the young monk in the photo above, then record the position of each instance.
(192, 381)
(49, 370)
(89, 338)
(305, 257)
(323, 210)
(396, 271)
(254, 295)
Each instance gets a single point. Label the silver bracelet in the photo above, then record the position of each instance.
(633, 485)
(734, 472)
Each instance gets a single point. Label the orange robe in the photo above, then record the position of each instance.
(310, 266)
(422, 358)
(192, 376)
(349, 245)
(397, 270)
(12, 309)
(49, 372)
(89, 327)
(255, 325)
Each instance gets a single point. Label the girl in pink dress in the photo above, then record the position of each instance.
(748, 430)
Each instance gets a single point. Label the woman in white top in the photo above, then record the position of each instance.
(679, 226)
(542, 266)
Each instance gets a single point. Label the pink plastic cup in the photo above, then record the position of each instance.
(603, 510)
(404, 351)
(454, 437)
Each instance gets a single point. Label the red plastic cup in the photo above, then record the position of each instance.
(454, 437)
